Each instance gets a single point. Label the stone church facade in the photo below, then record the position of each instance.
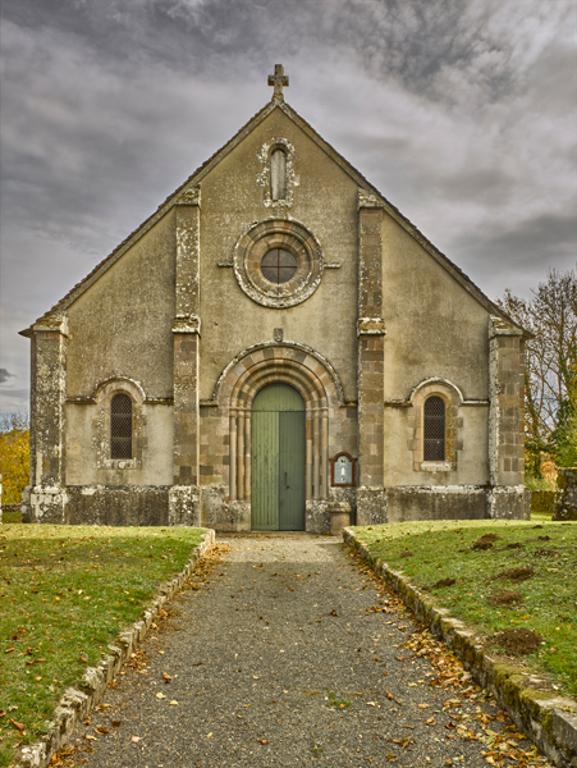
(277, 343)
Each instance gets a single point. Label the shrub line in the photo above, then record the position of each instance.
(549, 720)
(77, 703)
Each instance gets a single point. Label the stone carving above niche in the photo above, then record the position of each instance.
(277, 175)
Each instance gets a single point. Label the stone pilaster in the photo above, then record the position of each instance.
(507, 496)
(371, 504)
(184, 507)
(47, 497)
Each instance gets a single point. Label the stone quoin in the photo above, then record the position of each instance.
(274, 314)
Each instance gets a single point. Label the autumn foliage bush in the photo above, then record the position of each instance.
(14, 458)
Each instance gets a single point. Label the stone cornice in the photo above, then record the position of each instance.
(367, 199)
(49, 324)
(498, 326)
(187, 325)
(371, 326)
(190, 196)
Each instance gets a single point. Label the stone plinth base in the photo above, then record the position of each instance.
(47, 504)
(566, 506)
(116, 505)
(449, 502)
(209, 506)
(184, 505)
(340, 516)
(509, 502)
(222, 514)
(372, 506)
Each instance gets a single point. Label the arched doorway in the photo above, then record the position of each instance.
(278, 459)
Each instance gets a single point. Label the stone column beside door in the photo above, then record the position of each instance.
(184, 495)
(371, 500)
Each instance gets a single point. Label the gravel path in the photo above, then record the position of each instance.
(292, 655)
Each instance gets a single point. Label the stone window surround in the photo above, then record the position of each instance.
(260, 238)
(453, 399)
(103, 395)
(263, 178)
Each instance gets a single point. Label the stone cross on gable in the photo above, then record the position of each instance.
(279, 81)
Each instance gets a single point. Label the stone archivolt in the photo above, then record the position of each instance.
(312, 378)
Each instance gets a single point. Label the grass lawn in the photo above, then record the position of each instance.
(65, 593)
(496, 576)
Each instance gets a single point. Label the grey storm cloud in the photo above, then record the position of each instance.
(461, 112)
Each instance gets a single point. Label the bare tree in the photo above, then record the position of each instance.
(550, 315)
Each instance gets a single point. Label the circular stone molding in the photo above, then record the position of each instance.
(287, 236)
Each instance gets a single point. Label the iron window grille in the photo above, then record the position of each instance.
(278, 265)
(434, 429)
(121, 427)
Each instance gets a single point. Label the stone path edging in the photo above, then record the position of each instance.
(550, 721)
(77, 703)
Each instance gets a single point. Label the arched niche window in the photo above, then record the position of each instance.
(121, 427)
(278, 174)
(434, 429)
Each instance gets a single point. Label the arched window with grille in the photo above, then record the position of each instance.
(121, 427)
(434, 429)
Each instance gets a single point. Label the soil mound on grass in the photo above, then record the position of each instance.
(519, 642)
(443, 583)
(514, 545)
(486, 541)
(551, 552)
(517, 574)
(406, 553)
(506, 598)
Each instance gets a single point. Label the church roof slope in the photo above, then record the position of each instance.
(197, 176)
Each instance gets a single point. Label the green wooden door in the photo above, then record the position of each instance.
(278, 460)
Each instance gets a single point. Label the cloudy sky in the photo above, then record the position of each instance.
(462, 112)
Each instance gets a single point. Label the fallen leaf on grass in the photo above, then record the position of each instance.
(135, 739)
(160, 695)
(264, 742)
(404, 743)
(15, 724)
